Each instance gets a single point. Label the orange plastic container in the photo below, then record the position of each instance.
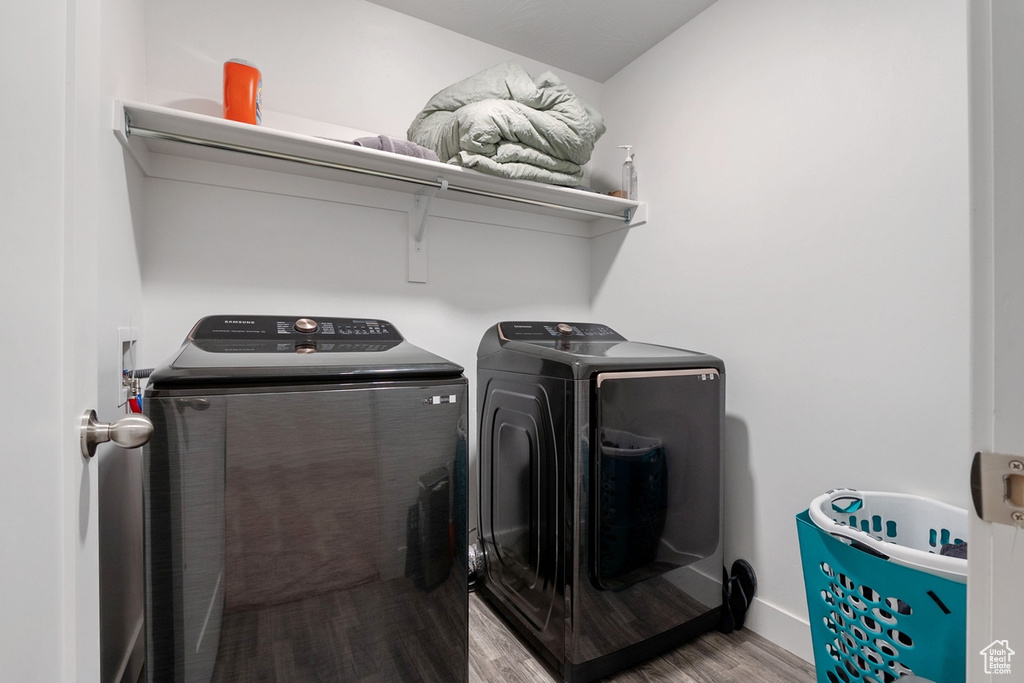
(243, 92)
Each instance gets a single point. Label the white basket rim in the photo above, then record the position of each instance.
(953, 568)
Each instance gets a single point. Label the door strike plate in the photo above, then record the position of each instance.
(997, 487)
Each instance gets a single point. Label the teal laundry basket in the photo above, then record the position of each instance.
(882, 602)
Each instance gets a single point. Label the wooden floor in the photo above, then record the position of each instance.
(498, 656)
(335, 637)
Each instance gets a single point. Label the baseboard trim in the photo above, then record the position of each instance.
(780, 627)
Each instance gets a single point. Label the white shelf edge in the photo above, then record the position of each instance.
(180, 133)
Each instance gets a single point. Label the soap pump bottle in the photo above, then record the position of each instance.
(628, 173)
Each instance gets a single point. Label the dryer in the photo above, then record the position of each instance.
(600, 492)
(305, 505)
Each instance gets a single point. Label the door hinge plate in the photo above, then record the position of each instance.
(997, 487)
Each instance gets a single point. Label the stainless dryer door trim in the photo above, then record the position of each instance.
(602, 376)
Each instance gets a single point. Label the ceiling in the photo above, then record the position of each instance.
(590, 38)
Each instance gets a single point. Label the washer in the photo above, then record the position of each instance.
(600, 492)
(305, 505)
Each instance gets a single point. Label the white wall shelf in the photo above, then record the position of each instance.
(146, 129)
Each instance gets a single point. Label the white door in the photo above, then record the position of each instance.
(995, 640)
(48, 579)
(63, 193)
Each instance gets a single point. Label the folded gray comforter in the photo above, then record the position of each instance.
(504, 123)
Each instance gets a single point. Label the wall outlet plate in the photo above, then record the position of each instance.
(127, 338)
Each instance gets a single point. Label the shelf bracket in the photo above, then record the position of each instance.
(418, 230)
(638, 216)
(631, 218)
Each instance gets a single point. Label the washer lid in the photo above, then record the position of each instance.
(263, 347)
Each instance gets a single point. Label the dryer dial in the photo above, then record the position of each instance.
(306, 325)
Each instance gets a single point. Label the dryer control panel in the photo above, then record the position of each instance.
(549, 331)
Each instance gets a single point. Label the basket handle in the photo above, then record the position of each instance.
(844, 501)
(858, 544)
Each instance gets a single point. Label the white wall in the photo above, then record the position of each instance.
(347, 62)
(806, 166)
(32, 70)
(210, 250)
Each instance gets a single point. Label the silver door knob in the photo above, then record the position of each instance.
(131, 431)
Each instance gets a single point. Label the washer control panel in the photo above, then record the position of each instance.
(270, 334)
(553, 331)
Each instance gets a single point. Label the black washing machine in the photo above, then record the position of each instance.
(305, 505)
(600, 492)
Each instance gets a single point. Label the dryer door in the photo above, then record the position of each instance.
(655, 460)
(520, 497)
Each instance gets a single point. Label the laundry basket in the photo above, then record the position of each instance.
(882, 602)
(634, 501)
